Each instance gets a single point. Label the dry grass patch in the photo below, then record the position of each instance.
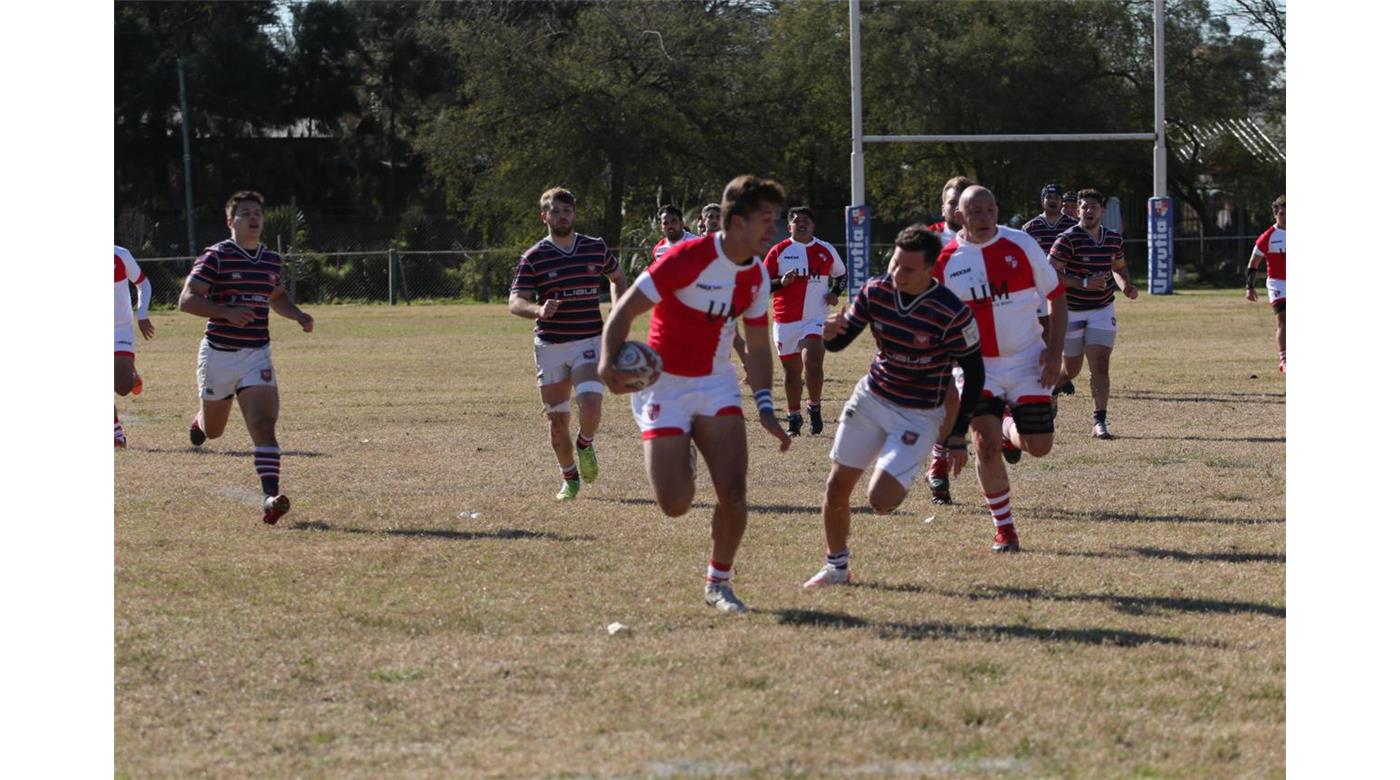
(427, 609)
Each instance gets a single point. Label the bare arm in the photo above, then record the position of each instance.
(759, 365)
(280, 303)
(1058, 310)
(1120, 274)
(618, 280)
(522, 306)
(629, 307)
(194, 299)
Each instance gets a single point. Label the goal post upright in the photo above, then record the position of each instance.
(1159, 207)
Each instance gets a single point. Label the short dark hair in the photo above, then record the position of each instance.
(919, 238)
(556, 193)
(1091, 194)
(795, 210)
(1279, 204)
(745, 193)
(668, 209)
(240, 196)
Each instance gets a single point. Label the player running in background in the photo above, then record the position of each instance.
(699, 289)
(1090, 259)
(672, 230)
(124, 350)
(709, 220)
(896, 411)
(807, 276)
(938, 480)
(1004, 278)
(1270, 248)
(235, 283)
(1045, 227)
(557, 284)
(1069, 206)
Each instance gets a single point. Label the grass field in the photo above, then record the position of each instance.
(427, 609)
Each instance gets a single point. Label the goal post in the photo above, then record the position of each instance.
(1159, 207)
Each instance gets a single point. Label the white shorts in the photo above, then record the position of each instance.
(1276, 289)
(667, 407)
(787, 335)
(556, 362)
(125, 340)
(222, 373)
(897, 439)
(1093, 327)
(1016, 378)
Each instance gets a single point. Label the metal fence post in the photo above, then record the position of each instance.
(393, 275)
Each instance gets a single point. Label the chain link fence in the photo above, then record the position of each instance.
(393, 276)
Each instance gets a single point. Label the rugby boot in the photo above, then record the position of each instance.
(721, 597)
(794, 423)
(815, 413)
(1006, 540)
(587, 463)
(939, 486)
(274, 507)
(1101, 430)
(568, 492)
(829, 575)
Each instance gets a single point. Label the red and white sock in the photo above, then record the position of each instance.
(1000, 507)
(719, 573)
(570, 472)
(267, 459)
(939, 466)
(583, 442)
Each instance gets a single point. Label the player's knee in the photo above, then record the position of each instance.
(674, 506)
(988, 451)
(731, 493)
(885, 501)
(124, 387)
(1038, 446)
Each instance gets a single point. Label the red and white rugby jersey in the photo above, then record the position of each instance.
(698, 294)
(1271, 247)
(126, 271)
(664, 244)
(805, 298)
(1003, 282)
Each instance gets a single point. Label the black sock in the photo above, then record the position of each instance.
(1101, 415)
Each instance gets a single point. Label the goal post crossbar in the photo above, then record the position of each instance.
(1008, 138)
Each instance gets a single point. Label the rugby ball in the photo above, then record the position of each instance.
(638, 364)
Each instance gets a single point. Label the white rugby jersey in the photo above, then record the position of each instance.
(1003, 281)
(815, 263)
(698, 294)
(664, 244)
(126, 271)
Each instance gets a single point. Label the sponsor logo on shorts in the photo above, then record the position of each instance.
(208, 391)
(909, 437)
(590, 354)
(653, 411)
(266, 374)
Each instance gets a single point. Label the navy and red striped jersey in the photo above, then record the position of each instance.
(574, 278)
(1045, 232)
(916, 338)
(238, 277)
(1082, 256)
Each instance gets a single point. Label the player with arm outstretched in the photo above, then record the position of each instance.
(235, 284)
(896, 412)
(1271, 250)
(695, 293)
(557, 285)
(124, 351)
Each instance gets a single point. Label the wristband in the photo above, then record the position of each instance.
(763, 399)
(1249, 279)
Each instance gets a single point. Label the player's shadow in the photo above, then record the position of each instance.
(1205, 398)
(1176, 555)
(443, 533)
(1099, 516)
(1212, 438)
(771, 509)
(229, 453)
(892, 587)
(1130, 605)
(935, 630)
